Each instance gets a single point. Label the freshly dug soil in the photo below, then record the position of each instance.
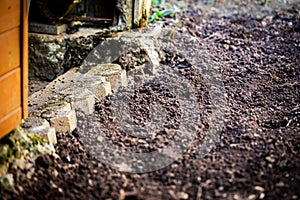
(257, 156)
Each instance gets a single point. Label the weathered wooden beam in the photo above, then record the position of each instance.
(141, 10)
(54, 29)
(86, 19)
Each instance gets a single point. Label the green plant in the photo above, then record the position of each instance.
(158, 15)
(161, 10)
(264, 2)
(157, 2)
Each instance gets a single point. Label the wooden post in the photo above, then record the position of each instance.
(142, 9)
(24, 58)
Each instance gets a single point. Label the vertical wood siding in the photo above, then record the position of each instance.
(13, 64)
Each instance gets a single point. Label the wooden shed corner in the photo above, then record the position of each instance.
(13, 64)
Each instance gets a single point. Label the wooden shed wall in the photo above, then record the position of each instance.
(13, 64)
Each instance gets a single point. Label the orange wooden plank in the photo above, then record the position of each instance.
(24, 67)
(9, 14)
(10, 121)
(9, 50)
(10, 91)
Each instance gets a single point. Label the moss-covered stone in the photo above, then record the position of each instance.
(51, 56)
(20, 145)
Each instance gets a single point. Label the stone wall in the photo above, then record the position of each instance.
(52, 55)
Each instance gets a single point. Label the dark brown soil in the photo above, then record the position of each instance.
(258, 155)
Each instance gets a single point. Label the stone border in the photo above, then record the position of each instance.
(53, 109)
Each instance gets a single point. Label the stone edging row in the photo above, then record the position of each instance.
(53, 109)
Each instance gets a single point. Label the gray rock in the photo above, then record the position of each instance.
(100, 89)
(52, 55)
(113, 73)
(7, 182)
(45, 132)
(46, 57)
(80, 98)
(35, 122)
(84, 102)
(41, 127)
(64, 121)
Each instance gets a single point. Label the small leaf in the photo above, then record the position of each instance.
(167, 12)
(158, 13)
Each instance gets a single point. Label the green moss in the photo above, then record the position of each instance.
(264, 2)
(5, 153)
(19, 143)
